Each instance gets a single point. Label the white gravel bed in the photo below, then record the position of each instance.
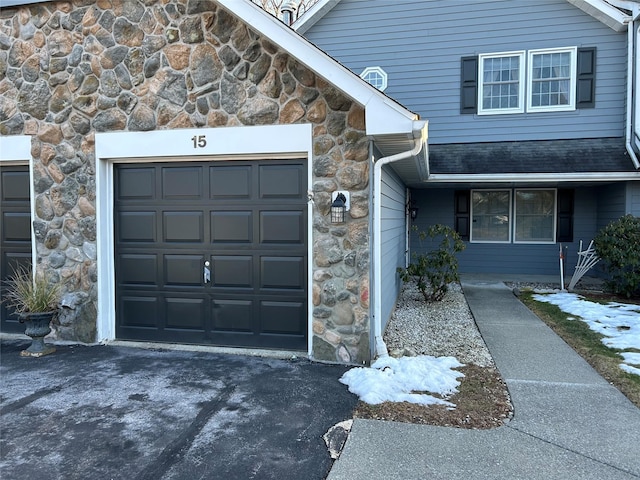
(440, 329)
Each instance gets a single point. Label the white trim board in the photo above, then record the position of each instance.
(15, 148)
(240, 143)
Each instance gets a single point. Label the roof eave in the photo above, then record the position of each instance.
(315, 13)
(603, 12)
(535, 177)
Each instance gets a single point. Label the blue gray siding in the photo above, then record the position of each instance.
(393, 239)
(611, 203)
(419, 44)
(436, 206)
(633, 195)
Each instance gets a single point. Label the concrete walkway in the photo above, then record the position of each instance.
(568, 423)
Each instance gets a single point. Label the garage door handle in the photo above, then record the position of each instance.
(206, 273)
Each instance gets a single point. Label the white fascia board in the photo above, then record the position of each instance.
(534, 177)
(383, 115)
(603, 12)
(315, 13)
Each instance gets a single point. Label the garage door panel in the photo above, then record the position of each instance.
(282, 273)
(281, 182)
(15, 185)
(11, 261)
(230, 182)
(136, 226)
(282, 227)
(232, 271)
(16, 226)
(183, 270)
(182, 183)
(283, 317)
(232, 315)
(232, 227)
(183, 227)
(185, 313)
(138, 269)
(247, 218)
(140, 311)
(136, 183)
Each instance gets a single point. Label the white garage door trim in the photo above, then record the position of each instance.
(277, 141)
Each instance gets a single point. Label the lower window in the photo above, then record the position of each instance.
(526, 215)
(535, 215)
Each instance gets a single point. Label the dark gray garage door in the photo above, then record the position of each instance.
(15, 233)
(212, 253)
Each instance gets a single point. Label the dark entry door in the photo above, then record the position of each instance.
(212, 253)
(15, 234)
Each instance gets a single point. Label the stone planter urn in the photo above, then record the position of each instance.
(35, 298)
(37, 326)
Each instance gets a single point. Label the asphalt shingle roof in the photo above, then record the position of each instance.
(546, 156)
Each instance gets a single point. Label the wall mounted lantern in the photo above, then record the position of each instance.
(339, 205)
(413, 212)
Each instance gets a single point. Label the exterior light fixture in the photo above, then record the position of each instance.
(339, 206)
(413, 212)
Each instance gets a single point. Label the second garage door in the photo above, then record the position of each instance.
(212, 253)
(15, 235)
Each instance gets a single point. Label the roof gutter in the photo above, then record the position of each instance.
(534, 177)
(632, 79)
(419, 132)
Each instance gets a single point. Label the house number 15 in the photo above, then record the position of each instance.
(199, 141)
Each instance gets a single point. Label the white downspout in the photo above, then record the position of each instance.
(419, 130)
(631, 79)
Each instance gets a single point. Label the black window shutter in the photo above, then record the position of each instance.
(463, 214)
(565, 216)
(469, 85)
(586, 78)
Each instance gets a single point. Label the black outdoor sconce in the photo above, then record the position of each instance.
(413, 212)
(338, 207)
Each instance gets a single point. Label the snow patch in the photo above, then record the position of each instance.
(619, 323)
(406, 379)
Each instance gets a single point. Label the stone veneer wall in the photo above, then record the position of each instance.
(70, 69)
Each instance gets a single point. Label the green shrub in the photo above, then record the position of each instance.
(434, 270)
(618, 245)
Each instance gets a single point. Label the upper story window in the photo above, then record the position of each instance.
(376, 76)
(545, 80)
(551, 80)
(502, 85)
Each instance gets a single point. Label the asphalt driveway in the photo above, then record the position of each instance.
(112, 412)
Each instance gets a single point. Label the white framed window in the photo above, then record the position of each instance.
(501, 83)
(551, 81)
(375, 76)
(491, 216)
(535, 215)
(526, 215)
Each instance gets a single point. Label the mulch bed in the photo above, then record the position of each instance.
(482, 402)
